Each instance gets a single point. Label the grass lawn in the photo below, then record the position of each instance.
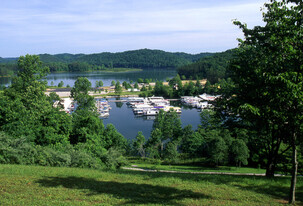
(193, 168)
(34, 185)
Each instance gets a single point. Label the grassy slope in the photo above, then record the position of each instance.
(33, 185)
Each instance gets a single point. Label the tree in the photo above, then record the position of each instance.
(138, 144)
(166, 135)
(112, 138)
(239, 152)
(216, 147)
(147, 81)
(100, 83)
(87, 127)
(61, 84)
(169, 124)
(118, 88)
(207, 88)
(140, 80)
(97, 83)
(113, 83)
(136, 85)
(198, 86)
(26, 110)
(154, 145)
(267, 73)
(80, 94)
(143, 88)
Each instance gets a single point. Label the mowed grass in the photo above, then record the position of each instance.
(193, 168)
(35, 185)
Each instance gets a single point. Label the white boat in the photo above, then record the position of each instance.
(203, 105)
(150, 112)
(208, 97)
(104, 114)
(131, 100)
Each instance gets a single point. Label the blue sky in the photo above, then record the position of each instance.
(93, 26)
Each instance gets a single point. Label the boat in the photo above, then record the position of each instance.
(150, 112)
(208, 97)
(132, 100)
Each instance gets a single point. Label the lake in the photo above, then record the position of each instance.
(69, 78)
(128, 124)
(121, 116)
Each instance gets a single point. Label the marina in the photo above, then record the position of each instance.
(129, 124)
(133, 114)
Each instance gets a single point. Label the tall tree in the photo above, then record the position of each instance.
(26, 110)
(80, 94)
(268, 80)
(138, 144)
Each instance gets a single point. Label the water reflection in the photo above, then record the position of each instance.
(129, 124)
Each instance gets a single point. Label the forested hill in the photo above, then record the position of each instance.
(212, 68)
(143, 58)
(8, 60)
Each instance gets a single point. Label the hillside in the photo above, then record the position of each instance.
(143, 58)
(212, 68)
(36, 185)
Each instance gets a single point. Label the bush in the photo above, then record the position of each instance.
(114, 159)
(16, 150)
(21, 151)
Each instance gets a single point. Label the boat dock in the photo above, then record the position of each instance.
(125, 100)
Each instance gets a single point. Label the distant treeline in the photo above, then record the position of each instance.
(8, 69)
(212, 68)
(144, 58)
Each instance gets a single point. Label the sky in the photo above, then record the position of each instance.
(94, 26)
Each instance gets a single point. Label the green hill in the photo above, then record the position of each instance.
(143, 58)
(212, 68)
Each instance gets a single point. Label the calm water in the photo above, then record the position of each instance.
(121, 116)
(128, 124)
(106, 77)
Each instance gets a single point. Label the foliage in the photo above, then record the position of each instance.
(212, 68)
(165, 136)
(86, 126)
(26, 110)
(138, 144)
(21, 151)
(113, 139)
(114, 159)
(8, 70)
(61, 84)
(80, 94)
(118, 88)
(239, 152)
(267, 74)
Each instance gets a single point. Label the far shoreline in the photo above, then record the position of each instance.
(114, 70)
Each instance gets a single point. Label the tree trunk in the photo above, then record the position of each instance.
(292, 194)
(271, 167)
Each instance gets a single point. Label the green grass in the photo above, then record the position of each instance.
(193, 168)
(34, 185)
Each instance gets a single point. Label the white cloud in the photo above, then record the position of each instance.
(112, 25)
